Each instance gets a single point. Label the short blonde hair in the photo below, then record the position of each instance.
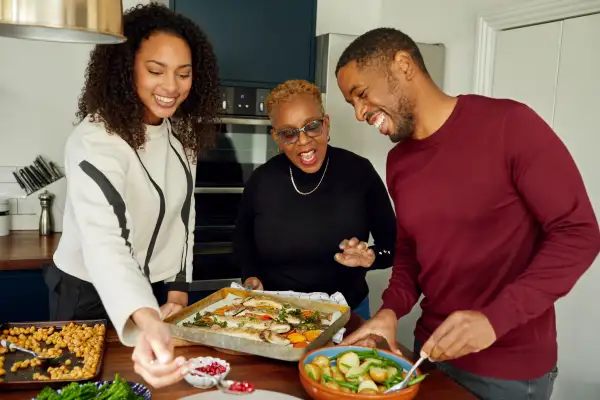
(289, 89)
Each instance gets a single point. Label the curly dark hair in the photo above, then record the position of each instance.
(380, 43)
(109, 94)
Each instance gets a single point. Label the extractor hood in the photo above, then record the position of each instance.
(72, 21)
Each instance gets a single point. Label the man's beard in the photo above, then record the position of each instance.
(402, 115)
(403, 120)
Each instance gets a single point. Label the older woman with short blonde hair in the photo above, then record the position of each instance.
(307, 213)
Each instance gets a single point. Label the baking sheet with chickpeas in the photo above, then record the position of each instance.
(79, 345)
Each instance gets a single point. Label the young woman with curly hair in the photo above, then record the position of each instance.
(144, 114)
(306, 214)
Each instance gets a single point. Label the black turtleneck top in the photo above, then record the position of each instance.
(289, 240)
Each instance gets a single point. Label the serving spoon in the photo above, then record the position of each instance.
(404, 383)
(12, 346)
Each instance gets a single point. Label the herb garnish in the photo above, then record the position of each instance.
(205, 322)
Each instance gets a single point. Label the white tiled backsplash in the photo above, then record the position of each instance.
(25, 210)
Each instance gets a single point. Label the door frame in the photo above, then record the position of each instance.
(520, 15)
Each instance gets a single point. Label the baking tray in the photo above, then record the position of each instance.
(22, 379)
(285, 353)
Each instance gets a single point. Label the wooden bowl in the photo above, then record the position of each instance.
(318, 391)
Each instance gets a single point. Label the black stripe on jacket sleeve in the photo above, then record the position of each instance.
(114, 199)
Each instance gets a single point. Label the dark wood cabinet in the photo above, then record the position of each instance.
(258, 43)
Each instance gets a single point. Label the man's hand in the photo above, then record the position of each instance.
(382, 326)
(153, 355)
(355, 254)
(462, 333)
(176, 301)
(253, 283)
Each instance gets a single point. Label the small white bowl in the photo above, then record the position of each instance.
(202, 382)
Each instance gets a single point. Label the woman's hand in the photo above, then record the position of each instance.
(253, 283)
(355, 254)
(153, 356)
(176, 301)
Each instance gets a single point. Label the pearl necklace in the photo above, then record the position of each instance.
(319, 184)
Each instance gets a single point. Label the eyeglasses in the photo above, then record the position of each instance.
(291, 135)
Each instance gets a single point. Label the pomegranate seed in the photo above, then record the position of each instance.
(213, 369)
(244, 387)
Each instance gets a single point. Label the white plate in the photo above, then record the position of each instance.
(257, 394)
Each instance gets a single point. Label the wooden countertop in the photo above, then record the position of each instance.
(23, 250)
(264, 373)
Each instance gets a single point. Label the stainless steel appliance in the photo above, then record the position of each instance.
(243, 144)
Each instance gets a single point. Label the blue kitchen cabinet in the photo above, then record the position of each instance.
(258, 43)
(23, 296)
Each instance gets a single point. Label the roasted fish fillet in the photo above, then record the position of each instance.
(252, 323)
(234, 311)
(275, 338)
(261, 305)
(252, 334)
(252, 311)
(260, 301)
(244, 333)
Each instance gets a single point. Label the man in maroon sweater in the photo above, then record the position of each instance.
(494, 222)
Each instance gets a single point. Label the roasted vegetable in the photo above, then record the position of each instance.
(378, 374)
(321, 361)
(332, 385)
(348, 385)
(347, 361)
(326, 371)
(391, 371)
(336, 373)
(296, 338)
(312, 335)
(313, 371)
(367, 385)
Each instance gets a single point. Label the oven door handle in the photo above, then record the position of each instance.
(219, 190)
(243, 121)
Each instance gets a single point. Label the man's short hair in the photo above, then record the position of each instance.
(380, 44)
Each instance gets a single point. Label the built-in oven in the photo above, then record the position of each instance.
(243, 144)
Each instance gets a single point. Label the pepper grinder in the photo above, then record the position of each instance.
(46, 219)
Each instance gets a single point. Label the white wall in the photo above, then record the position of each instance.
(40, 83)
(440, 21)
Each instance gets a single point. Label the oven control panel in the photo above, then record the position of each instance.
(243, 101)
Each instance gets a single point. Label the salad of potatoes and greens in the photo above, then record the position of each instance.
(364, 372)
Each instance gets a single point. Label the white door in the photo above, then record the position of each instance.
(526, 66)
(577, 122)
(555, 69)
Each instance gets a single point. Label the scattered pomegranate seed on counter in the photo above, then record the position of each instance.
(213, 369)
(244, 387)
